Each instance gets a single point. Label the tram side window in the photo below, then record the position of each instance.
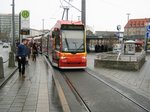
(56, 36)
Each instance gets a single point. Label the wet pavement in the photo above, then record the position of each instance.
(8, 71)
(35, 93)
(138, 81)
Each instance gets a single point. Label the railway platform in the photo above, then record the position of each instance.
(34, 93)
(8, 72)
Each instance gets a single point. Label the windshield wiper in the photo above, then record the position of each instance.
(79, 48)
(66, 41)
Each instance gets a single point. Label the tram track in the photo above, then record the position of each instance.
(119, 91)
(84, 103)
(82, 82)
(82, 100)
(76, 93)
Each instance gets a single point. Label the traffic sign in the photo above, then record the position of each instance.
(25, 22)
(25, 14)
(148, 28)
(118, 27)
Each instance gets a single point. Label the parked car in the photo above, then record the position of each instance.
(1, 42)
(5, 45)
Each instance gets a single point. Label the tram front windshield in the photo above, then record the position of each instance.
(73, 41)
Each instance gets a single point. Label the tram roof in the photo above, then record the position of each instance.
(65, 22)
(69, 22)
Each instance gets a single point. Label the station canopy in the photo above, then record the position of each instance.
(130, 42)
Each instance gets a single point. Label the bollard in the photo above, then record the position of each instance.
(1, 68)
(11, 60)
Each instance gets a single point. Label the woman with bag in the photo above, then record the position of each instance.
(34, 51)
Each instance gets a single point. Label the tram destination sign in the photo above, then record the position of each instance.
(72, 27)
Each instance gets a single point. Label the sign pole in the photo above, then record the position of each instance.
(146, 39)
(147, 35)
(13, 26)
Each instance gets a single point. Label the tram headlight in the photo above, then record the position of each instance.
(83, 57)
(62, 57)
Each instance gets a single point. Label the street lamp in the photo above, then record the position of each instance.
(128, 15)
(43, 25)
(13, 25)
(42, 34)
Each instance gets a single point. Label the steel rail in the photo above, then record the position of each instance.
(76, 93)
(118, 91)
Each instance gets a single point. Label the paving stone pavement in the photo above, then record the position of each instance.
(31, 94)
(138, 81)
(8, 72)
(37, 92)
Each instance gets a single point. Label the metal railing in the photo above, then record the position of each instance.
(6, 61)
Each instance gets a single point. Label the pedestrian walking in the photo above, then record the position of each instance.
(21, 56)
(28, 53)
(34, 52)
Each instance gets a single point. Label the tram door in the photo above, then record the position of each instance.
(56, 45)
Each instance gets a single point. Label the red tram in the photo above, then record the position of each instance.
(67, 45)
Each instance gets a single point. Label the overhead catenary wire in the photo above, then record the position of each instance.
(56, 11)
(66, 9)
(61, 3)
(72, 6)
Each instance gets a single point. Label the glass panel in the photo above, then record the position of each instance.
(72, 41)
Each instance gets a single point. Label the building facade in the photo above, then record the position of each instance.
(103, 38)
(6, 25)
(136, 28)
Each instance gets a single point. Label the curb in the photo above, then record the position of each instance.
(63, 100)
(4, 80)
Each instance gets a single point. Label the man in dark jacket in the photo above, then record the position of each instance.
(21, 54)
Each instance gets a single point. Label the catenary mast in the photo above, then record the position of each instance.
(83, 11)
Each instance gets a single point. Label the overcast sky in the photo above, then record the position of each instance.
(102, 15)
